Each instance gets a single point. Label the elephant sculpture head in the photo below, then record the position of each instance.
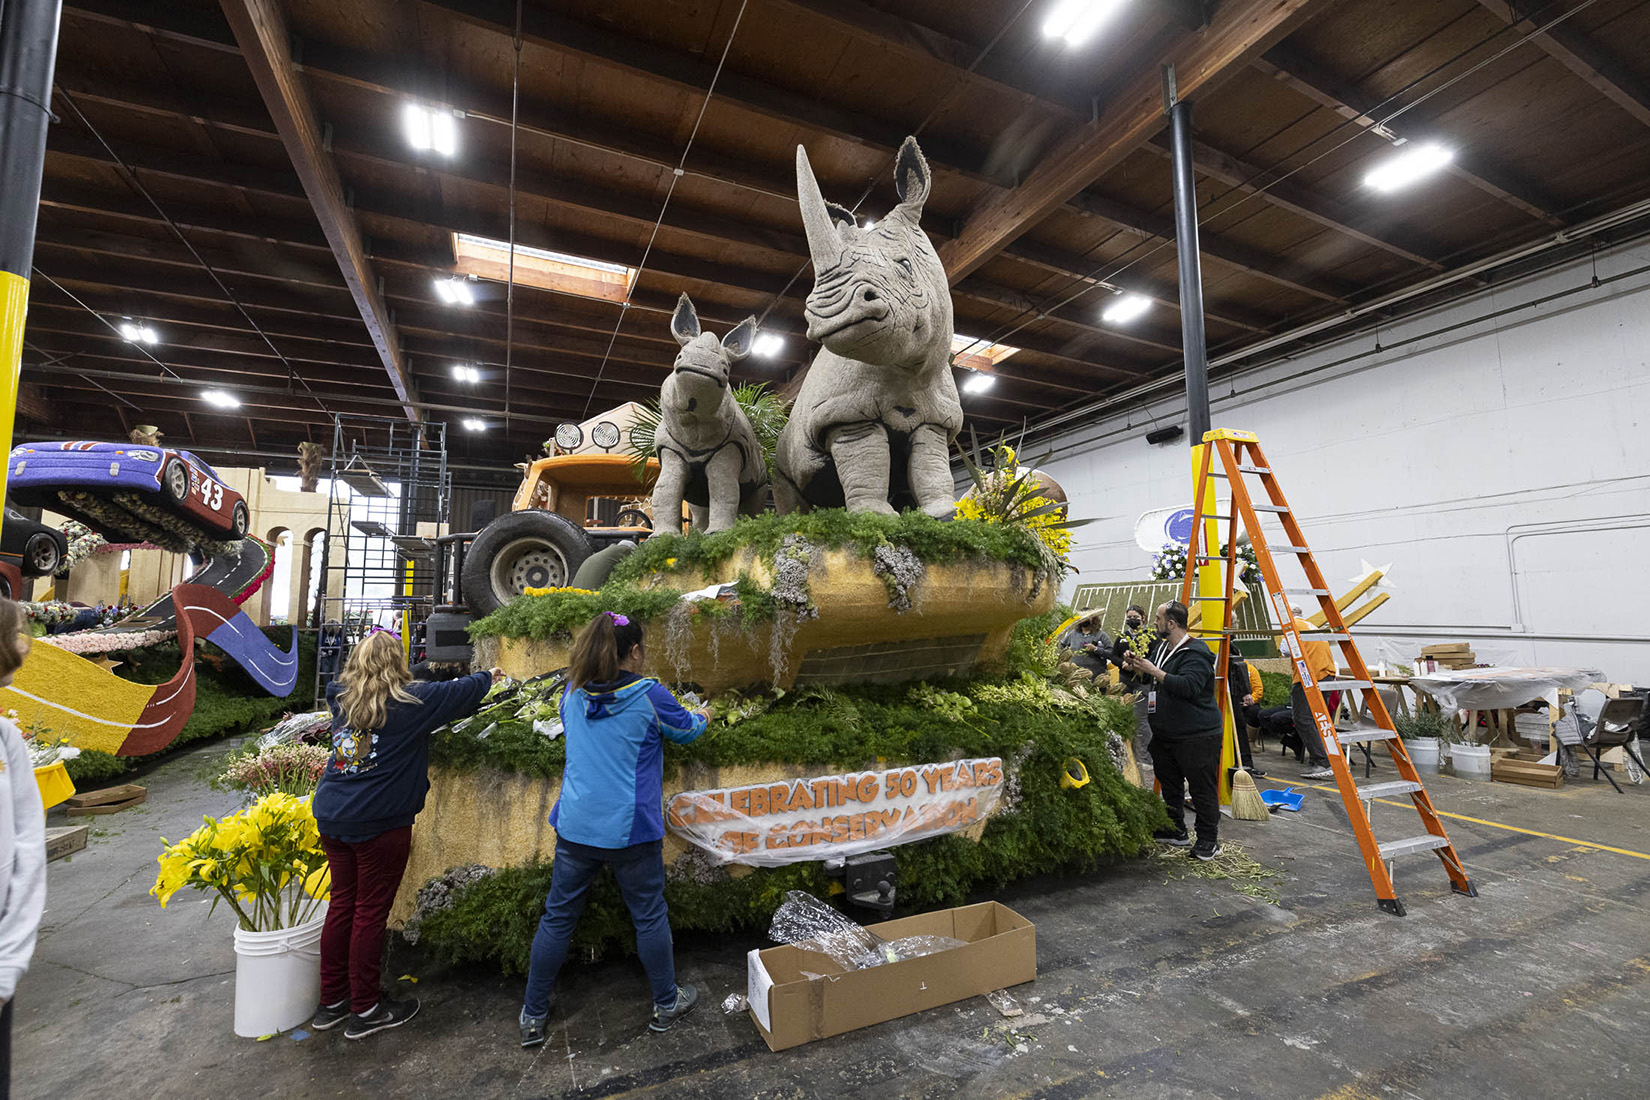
(699, 381)
(880, 295)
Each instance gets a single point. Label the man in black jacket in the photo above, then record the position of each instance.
(1185, 720)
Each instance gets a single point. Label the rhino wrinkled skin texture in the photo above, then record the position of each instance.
(708, 455)
(873, 424)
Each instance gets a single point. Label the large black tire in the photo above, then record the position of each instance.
(239, 520)
(174, 481)
(521, 550)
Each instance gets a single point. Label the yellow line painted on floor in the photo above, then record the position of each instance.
(1491, 824)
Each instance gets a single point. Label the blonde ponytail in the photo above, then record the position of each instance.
(375, 675)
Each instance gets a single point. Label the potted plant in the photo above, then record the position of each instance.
(1468, 758)
(1422, 734)
(266, 862)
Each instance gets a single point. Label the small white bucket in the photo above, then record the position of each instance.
(1470, 760)
(277, 977)
(1423, 752)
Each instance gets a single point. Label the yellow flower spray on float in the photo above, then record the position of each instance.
(265, 861)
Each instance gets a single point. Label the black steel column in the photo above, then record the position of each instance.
(28, 53)
(1191, 272)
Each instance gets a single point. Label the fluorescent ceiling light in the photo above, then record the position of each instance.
(978, 382)
(562, 272)
(220, 399)
(972, 353)
(138, 334)
(767, 345)
(1126, 308)
(471, 424)
(430, 129)
(1076, 20)
(455, 292)
(464, 372)
(1408, 166)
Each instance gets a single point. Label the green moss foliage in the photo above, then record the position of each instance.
(227, 700)
(1276, 686)
(932, 541)
(1033, 728)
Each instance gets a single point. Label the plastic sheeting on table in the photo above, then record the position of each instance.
(1502, 688)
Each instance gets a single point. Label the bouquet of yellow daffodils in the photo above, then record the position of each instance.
(265, 861)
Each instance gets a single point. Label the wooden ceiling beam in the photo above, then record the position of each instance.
(332, 63)
(1295, 70)
(562, 35)
(1330, 213)
(1236, 29)
(260, 28)
(1576, 52)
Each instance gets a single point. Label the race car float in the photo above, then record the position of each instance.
(131, 493)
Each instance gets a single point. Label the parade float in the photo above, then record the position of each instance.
(892, 722)
(122, 685)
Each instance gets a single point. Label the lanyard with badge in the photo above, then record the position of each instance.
(1151, 696)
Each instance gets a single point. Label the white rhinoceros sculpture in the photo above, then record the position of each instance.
(708, 454)
(873, 424)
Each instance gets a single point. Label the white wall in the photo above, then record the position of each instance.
(1502, 468)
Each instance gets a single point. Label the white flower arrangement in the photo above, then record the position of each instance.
(86, 644)
(83, 543)
(1169, 563)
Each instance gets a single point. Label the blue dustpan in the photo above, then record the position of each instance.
(1291, 799)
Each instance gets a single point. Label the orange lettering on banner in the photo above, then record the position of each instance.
(740, 801)
(948, 779)
(802, 798)
(867, 788)
(822, 794)
(908, 782)
(931, 777)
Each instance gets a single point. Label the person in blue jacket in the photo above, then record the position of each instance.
(370, 792)
(611, 812)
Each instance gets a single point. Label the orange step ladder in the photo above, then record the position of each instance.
(1234, 456)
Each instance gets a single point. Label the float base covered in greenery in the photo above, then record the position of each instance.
(1041, 828)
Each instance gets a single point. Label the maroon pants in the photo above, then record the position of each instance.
(365, 877)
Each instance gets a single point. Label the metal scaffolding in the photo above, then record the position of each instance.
(388, 493)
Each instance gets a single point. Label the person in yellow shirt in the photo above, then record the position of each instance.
(1320, 661)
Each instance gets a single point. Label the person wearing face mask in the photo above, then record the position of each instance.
(1136, 637)
(1187, 730)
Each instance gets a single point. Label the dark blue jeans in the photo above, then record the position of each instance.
(640, 871)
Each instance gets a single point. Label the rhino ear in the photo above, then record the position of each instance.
(911, 177)
(737, 344)
(684, 323)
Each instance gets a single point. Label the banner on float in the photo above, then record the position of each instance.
(801, 820)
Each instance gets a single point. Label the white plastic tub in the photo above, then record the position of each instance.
(1471, 761)
(1423, 752)
(277, 977)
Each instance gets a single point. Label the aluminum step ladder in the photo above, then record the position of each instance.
(1234, 456)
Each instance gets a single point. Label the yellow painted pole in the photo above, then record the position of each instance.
(14, 310)
(1211, 584)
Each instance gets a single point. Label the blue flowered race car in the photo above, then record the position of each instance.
(129, 491)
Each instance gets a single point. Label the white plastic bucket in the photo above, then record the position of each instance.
(277, 977)
(1470, 760)
(1423, 752)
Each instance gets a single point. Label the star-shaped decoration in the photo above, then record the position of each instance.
(1365, 569)
(106, 662)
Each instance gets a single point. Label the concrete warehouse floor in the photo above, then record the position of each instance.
(1154, 982)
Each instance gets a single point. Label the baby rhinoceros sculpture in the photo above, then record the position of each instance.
(872, 426)
(708, 454)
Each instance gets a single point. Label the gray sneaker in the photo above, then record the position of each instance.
(1324, 772)
(665, 1018)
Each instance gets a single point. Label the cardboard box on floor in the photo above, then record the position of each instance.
(999, 949)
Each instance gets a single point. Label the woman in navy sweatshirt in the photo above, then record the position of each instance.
(611, 811)
(369, 794)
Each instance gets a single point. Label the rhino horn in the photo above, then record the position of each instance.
(823, 243)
